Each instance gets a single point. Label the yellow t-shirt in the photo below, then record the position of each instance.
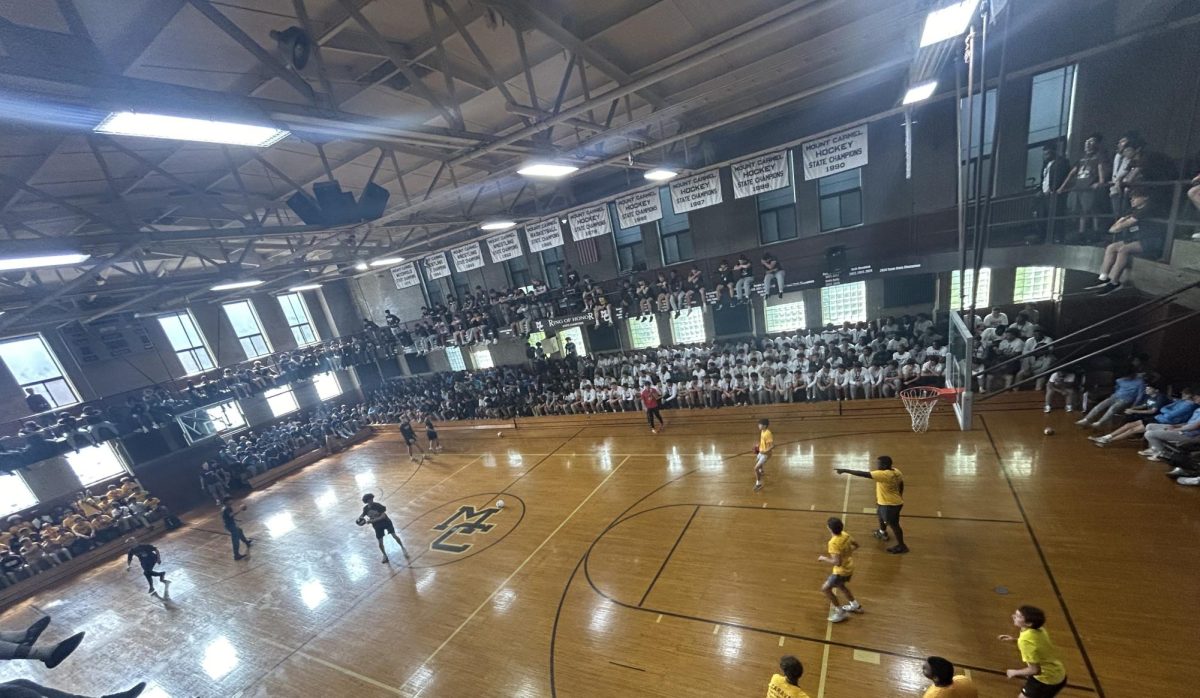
(780, 688)
(962, 687)
(1036, 648)
(766, 441)
(842, 544)
(887, 486)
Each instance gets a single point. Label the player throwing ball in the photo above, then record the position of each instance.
(766, 442)
(841, 549)
(375, 514)
(889, 499)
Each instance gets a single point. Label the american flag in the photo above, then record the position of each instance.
(589, 252)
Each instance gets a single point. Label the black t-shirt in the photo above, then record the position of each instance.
(406, 430)
(375, 509)
(145, 553)
(746, 270)
(227, 518)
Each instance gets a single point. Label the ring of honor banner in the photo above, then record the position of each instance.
(636, 209)
(589, 222)
(842, 151)
(504, 246)
(544, 235)
(761, 174)
(696, 192)
(435, 266)
(467, 257)
(405, 275)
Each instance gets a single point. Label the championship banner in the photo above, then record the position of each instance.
(504, 246)
(544, 235)
(467, 257)
(435, 266)
(589, 222)
(639, 208)
(696, 192)
(405, 275)
(761, 174)
(837, 153)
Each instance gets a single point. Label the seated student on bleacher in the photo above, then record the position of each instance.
(1141, 233)
(1153, 410)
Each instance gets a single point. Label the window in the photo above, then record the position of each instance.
(973, 159)
(1051, 103)
(91, 465)
(688, 328)
(984, 289)
(15, 495)
(631, 251)
(840, 200)
(33, 365)
(535, 338)
(518, 271)
(552, 262)
(455, 357)
(281, 400)
(327, 386)
(844, 303)
(298, 319)
(1034, 284)
(204, 422)
(575, 334)
(785, 317)
(777, 213)
(186, 340)
(481, 358)
(643, 335)
(674, 231)
(247, 328)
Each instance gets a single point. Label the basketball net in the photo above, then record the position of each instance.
(920, 402)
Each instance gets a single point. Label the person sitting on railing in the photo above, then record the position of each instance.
(1141, 232)
(743, 272)
(774, 272)
(1084, 183)
(73, 431)
(97, 424)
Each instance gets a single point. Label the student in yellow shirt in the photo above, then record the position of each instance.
(787, 683)
(841, 547)
(889, 499)
(1044, 672)
(766, 442)
(940, 671)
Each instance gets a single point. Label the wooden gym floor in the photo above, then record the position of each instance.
(629, 564)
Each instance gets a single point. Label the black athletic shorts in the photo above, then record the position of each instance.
(1036, 689)
(410, 440)
(383, 527)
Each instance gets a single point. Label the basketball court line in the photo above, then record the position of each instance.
(514, 573)
(669, 554)
(828, 623)
(328, 664)
(1045, 563)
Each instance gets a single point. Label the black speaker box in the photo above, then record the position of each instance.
(372, 202)
(303, 205)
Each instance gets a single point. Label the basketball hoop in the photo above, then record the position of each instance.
(920, 402)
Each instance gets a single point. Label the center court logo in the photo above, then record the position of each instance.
(467, 521)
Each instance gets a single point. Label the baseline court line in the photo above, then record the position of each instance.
(514, 573)
(338, 668)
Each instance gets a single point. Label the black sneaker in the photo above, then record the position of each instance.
(1109, 289)
(1098, 285)
(898, 549)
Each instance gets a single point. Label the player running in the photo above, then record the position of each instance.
(766, 442)
(889, 499)
(375, 514)
(147, 555)
(841, 549)
(1044, 673)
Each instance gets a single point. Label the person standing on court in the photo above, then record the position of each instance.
(375, 514)
(766, 443)
(841, 549)
(889, 499)
(940, 671)
(147, 555)
(786, 684)
(1044, 673)
(229, 520)
(650, 399)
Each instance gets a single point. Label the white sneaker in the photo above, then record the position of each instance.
(1185, 481)
(838, 615)
(1146, 452)
(1070, 408)
(1084, 422)
(853, 607)
(1046, 409)
(1176, 472)
(1099, 439)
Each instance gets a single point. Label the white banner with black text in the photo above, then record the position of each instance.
(435, 266)
(544, 235)
(839, 152)
(761, 174)
(696, 192)
(589, 222)
(504, 246)
(641, 207)
(467, 257)
(405, 275)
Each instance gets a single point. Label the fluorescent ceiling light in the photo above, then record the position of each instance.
(179, 128)
(386, 261)
(920, 92)
(496, 225)
(660, 174)
(948, 22)
(231, 285)
(44, 260)
(305, 287)
(361, 266)
(546, 169)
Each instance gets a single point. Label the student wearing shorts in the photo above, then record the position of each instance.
(840, 552)
(375, 514)
(766, 442)
(410, 437)
(1044, 673)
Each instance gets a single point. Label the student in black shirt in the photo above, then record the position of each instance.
(435, 444)
(36, 401)
(147, 555)
(410, 437)
(375, 514)
(236, 535)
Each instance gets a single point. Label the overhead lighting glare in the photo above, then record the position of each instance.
(387, 261)
(660, 174)
(546, 169)
(361, 266)
(231, 285)
(180, 128)
(305, 287)
(45, 260)
(948, 22)
(920, 93)
(496, 225)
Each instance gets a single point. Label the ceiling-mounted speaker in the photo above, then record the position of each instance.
(303, 205)
(372, 202)
(338, 206)
(295, 45)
